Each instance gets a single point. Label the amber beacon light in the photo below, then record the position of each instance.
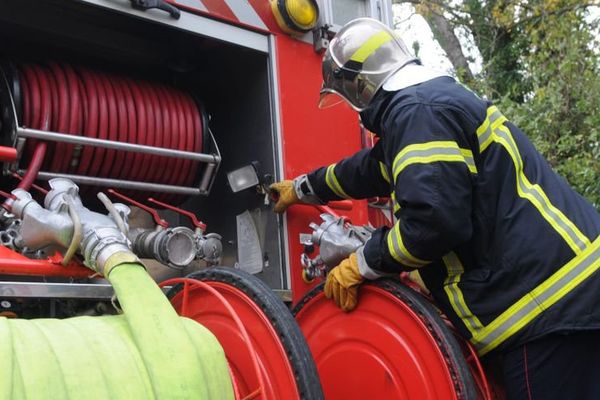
(295, 16)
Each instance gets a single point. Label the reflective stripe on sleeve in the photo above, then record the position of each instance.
(494, 130)
(553, 289)
(333, 182)
(430, 152)
(457, 301)
(395, 204)
(384, 172)
(398, 250)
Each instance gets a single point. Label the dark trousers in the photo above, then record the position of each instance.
(557, 366)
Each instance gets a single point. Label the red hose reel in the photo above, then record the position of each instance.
(164, 127)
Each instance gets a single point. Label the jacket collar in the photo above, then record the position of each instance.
(410, 75)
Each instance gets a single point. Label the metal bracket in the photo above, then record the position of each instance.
(159, 4)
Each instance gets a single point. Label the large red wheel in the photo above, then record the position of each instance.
(394, 345)
(267, 354)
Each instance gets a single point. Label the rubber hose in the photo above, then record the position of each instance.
(148, 352)
(81, 101)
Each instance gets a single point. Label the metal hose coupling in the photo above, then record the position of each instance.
(100, 238)
(173, 247)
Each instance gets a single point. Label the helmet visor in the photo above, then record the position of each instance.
(330, 98)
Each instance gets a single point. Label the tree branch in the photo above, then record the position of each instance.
(443, 32)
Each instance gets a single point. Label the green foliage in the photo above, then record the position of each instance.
(541, 64)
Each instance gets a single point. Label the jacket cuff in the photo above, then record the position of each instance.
(377, 255)
(363, 267)
(304, 191)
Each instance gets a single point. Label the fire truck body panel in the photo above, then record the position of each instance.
(259, 85)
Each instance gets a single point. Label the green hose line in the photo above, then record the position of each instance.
(148, 352)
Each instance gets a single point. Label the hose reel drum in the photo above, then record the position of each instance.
(104, 129)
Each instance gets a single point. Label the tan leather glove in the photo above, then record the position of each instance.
(285, 194)
(342, 283)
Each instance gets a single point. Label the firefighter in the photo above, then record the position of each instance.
(507, 249)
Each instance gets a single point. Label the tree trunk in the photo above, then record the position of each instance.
(443, 32)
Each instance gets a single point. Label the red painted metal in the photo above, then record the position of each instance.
(381, 350)
(12, 263)
(8, 154)
(310, 138)
(263, 11)
(220, 8)
(222, 315)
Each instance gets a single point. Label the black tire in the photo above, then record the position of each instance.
(292, 340)
(464, 383)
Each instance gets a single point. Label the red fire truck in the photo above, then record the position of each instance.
(185, 111)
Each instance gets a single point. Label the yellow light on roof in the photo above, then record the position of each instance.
(295, 16)
(302, 11)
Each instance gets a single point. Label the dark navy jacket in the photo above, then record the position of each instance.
(508, 250)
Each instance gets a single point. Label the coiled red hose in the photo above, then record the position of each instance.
(81, 101)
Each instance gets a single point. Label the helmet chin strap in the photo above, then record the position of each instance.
(410, 75)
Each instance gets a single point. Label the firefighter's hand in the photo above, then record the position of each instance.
(284, 194)
(342, 283)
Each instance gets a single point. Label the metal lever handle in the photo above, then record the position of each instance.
(160, 4)
(157, 219)
(197, 223)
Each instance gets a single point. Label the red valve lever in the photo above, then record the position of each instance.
(33, 185)
(8, 154)
(341, 205)
(7, 195)
(198, 224)
(157, 219)
(326, 209)
(11, 196)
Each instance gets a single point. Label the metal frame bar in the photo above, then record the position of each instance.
(89, 291)
(121, 184)
(192, 23)
(30, 133)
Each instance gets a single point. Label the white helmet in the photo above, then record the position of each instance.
(359, 59)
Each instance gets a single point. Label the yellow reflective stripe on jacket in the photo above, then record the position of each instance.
(425, 153)
(370, 46)
(557, 286)
(494, 118)
(384, 172)
(333, 182)
(395, 202)
(493, 130)
(455, 295)
(399, 251)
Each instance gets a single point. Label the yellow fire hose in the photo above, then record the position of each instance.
(147, 352)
